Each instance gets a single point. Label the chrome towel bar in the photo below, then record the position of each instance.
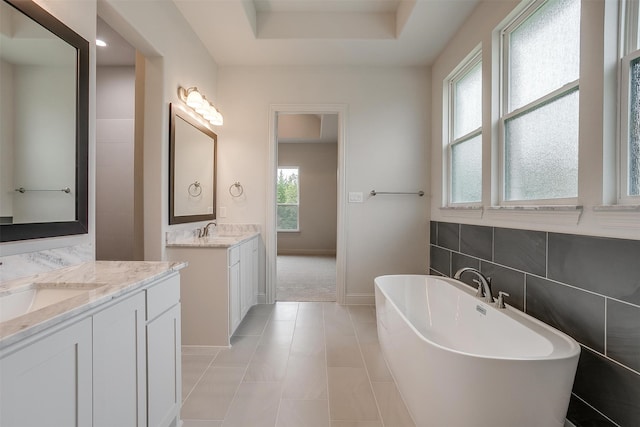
(375, 193)
(24, 190)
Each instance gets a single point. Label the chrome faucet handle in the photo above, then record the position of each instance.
(480, 291)
(500, 302)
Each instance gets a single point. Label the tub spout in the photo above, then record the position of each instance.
(484, 283)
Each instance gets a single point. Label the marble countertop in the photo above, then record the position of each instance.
(212, 241)
(105, 280)
(222, 236)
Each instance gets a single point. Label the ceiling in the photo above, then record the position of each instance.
(325, 32)
(118, 51)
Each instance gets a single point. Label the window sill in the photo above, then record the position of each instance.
(462, 211)
(540, 214)
(618, 216)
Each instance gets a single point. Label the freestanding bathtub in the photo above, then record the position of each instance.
(459, 362)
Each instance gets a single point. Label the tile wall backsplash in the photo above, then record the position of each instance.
(587, 287)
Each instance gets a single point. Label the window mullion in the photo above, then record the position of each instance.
(552, 96)
(467, 137)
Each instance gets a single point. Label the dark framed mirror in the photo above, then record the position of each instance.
(192, 169)
(44, 122)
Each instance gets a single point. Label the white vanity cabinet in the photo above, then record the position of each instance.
(117, 364)
(46, 381)
(164, 371)
(218, 288)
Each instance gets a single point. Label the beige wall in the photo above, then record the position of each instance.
(386, 148)
(318, 163)
(115, 96)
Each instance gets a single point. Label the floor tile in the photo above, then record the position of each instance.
(307, 413)
(240, 353)
(212, 396)
(356, 424)
(269, 363)
(343, 351)
(294, 364)
(201, 423)
(392, 408)
(252, 324)
(306, 378)
(255, 405)
(375, 363)
(350, 395)
(193, 368)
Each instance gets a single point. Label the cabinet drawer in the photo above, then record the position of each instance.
(162, 296)
(234, 255)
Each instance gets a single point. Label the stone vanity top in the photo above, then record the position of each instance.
(221, 236)
(86, 286)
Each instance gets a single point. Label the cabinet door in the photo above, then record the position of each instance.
(48, 382)
(246, 277)
(255, 270)
(234, 298)
(164, 377)
(119, 362)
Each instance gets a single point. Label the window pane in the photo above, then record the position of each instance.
(541, 152)
(287, 185)
(634, 130)
(544, 52)
(468, 102)
(287, 217)
(466, 171)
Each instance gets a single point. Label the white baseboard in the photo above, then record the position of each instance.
(360, 299)
(308, 252)
(262, 299)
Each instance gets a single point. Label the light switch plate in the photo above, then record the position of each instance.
(355, 197)
(223, 212)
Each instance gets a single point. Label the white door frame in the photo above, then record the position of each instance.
(271, 235)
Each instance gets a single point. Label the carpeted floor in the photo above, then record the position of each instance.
(306, 278)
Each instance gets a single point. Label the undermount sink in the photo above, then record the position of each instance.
(35, 296)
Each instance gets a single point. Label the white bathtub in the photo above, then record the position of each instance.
(459, 362)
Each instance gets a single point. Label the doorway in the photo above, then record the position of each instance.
(305, 255)
(306, 207)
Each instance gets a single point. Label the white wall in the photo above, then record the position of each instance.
(597, 128)
(174, 57)
(115, 92)
(386, 149)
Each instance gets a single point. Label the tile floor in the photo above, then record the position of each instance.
(294, 364)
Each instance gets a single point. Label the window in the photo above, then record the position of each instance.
(539, 119)
(288, 188)
(464, 143)
(630, 99)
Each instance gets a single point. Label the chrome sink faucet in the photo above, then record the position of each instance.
(484, 283)
(204, 231)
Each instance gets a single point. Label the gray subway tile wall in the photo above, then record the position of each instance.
(588, 287)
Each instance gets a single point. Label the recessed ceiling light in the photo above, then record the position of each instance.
(101, 43)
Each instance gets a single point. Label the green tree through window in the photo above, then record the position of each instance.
(288, 199)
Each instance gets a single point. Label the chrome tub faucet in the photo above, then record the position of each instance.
(484, 283)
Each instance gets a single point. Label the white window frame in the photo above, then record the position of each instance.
(630, 50)
(461, 71)
(505, 116)
(291, 230)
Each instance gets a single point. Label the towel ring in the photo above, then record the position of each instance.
(236, 189)
(195, 189)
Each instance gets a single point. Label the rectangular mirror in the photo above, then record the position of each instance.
(192, 169)
(44, 104)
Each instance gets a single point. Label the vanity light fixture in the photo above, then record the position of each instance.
(200, 105)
